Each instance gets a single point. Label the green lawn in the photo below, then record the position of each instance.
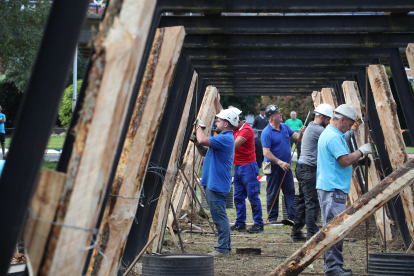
(54, 142)
(49, 165)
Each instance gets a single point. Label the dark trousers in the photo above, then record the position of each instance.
(308, 207)
(298, 145)
(247, 185)
(288, 188)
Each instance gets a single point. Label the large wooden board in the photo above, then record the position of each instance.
(352, 97)
(119, 46)
(346, 221)
(316, 98)
(161, 213)
(394, 142)
(44, 204)
(206, 114)
(149, 108)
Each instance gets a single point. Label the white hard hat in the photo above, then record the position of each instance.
(229, 115)
(347, 111)
(324, 109)
(235, 110)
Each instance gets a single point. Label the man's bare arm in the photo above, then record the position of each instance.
(239, 141)
(217, 104)
(2, 121)
(201, 149)
(269, 155)
(202, 138)
(349, 159)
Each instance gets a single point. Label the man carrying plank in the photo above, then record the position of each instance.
(219, 156)
(334, 173)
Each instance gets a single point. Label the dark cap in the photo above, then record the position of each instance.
(270, 109)
(262, 108)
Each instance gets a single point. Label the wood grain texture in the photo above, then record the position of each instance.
(161, 213)
(394, 142)
(316, 98)
(206, 114)
(352, 97)
(44, 204)
(328, 96)
(149, 108)
(346, 221)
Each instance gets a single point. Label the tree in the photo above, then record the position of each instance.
(21, 29)
(248, 104)
(65, 108)
(300, 104)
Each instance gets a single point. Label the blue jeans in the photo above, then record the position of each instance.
(288, 189)
(247, 185)
(217, 204)
(332, 204)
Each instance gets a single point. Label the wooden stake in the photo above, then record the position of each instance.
(161, 213)
(352, 97)
(316, 98)
(345, 222)
(44, 204)
(394, 142)
(140, 254)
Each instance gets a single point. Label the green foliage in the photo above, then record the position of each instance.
(248, 104)
(65, 108)
(300, 104)
(10, 101)
(82, 63)
(21, 25)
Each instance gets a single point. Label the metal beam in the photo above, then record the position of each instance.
(281, 6)
(290, 24)
(266, 93)
(274, 77)
(270, 63)
(367, 40)
(47, 81)
(279, 71)
(288, 53)
(271, 82)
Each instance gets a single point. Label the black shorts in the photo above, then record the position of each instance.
(2, 139)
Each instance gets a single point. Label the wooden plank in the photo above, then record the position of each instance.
(120, 211)
(161, 213)
(328, 96)
(44, 204)
(111, 81)
(316, 98)
(394, 142)
(346, 221)
(352, 97)
(206, 114)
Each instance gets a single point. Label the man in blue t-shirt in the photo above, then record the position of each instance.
(277, 151)
(333, 177)
(2, 133)
(219, 156)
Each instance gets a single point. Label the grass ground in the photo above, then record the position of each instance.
(275, 245)
(54, 142)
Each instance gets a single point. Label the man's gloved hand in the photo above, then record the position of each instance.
(198, 123)
(361, 162)
(193, 138)
(365, 149)
(355, 126)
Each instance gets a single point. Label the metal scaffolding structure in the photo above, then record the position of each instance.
(240, 55)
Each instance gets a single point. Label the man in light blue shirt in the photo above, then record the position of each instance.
(219, 156)
(334, 173)
(2, 133)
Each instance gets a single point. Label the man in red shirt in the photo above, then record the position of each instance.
(245, 178)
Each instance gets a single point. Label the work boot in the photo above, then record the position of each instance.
(217, 254)
(240, 228)
(342, 273)
(297, 237)
(347, 269)
(255, 229)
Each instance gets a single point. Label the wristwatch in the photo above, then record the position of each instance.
(280, 162)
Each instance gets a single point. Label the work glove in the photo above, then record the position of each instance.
(193, 138)
(355, 126)
(365, 149)
(198, 123)
(361, 162)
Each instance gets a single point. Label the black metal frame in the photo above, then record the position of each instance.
(242, 59)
